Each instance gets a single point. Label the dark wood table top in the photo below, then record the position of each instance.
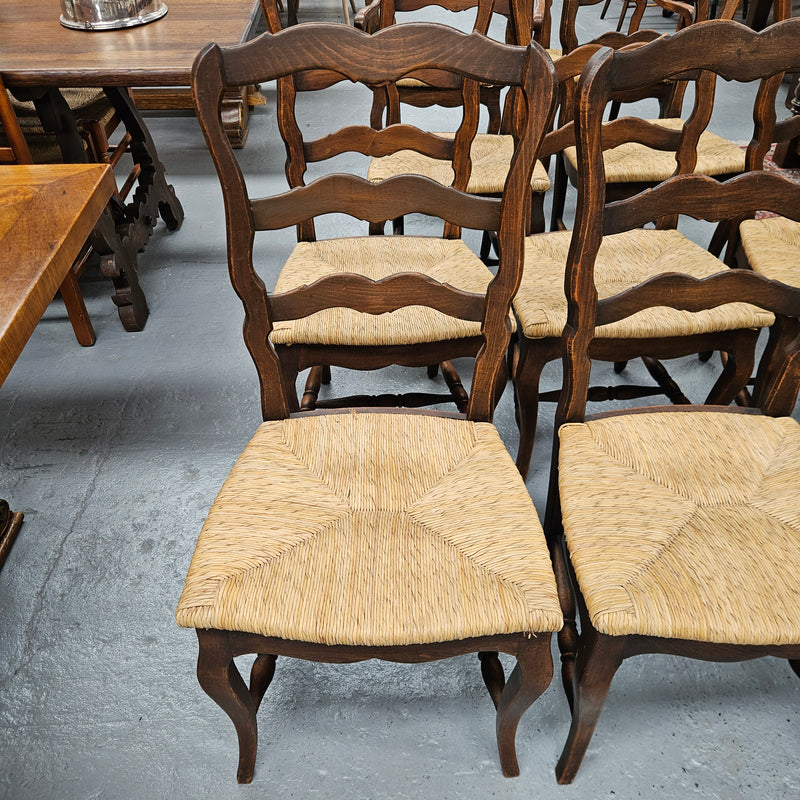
(36, 50)
(46, 213)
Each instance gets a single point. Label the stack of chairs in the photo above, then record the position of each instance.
(408, 535)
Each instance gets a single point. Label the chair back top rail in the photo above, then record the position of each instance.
(329, 46)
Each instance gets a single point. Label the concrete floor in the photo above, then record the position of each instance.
(115, 453)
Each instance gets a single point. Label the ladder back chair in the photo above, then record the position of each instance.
(680, 524)
(327, 541)
(633, 169)
(627, 259)
(770, 243)
(352, 340)
(301, 152)
(491, 151)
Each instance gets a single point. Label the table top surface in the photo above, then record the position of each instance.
(37, 50)
(47, 212)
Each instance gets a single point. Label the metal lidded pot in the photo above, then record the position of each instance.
(105, 15)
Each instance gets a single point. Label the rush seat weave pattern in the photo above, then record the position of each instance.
(633, 162)
(624, 260)
(445, 260)
(87, 106)
(676, 523)
(337, 529)
(772, 247)
(490, 155)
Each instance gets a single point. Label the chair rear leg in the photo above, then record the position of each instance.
(531, 676)
(314, 380)
(739, 363)
(493, 675)
(261, 675)
(222, 682)
(526, 395)
(599, 657)
(560, 181)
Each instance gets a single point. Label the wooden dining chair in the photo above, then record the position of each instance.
(355, 341)
(16, 151)
(327, 541)
(679, 525)
(635, 167)
(626, 260)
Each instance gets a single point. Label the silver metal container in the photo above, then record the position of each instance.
(104, 15)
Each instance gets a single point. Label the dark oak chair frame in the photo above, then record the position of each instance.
(318, 359)
(590, 659)
(373, 60)
(736, 346)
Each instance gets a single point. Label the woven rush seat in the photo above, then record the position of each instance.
(87, 106)
(446, 260)
(772, 247)
(644, 498)
(633, 162)
(490, 155)
(624, 260)
(346, 536)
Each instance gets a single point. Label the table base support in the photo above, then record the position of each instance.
(124, 228)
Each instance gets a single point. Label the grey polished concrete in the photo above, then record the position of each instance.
(115, 454)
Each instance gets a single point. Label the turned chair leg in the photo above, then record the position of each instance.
(453, 382)
(599, 657)
(317, 376)
(531, 676)
(222, 682)
(567, 637)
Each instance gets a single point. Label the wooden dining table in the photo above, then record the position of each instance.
(39, 56)
(46, 213)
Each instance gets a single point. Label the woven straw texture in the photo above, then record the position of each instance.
(372, 529)
(624, 260)
(772, 247)
(491, 158)
(686, 525)
(445, 260)
(87, 105)
(636, 162)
